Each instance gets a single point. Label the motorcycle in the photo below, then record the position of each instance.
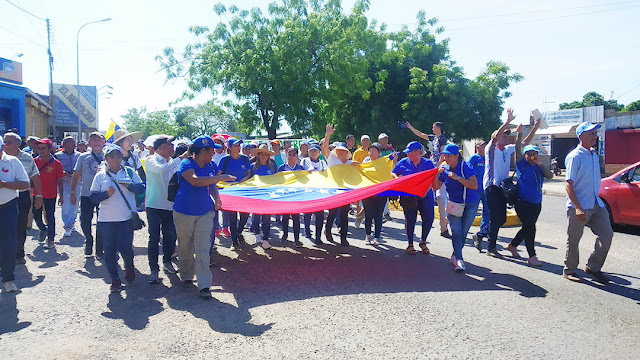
(554, 166)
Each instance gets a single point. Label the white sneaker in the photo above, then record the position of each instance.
(258, 238)
(10, 286)
(460, 266)
(266, 245)
(376, 241)
(368, 239)
(67, 232)
(453, 260)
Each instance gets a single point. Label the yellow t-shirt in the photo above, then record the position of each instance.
(360, 154)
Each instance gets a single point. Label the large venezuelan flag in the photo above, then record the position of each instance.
(295, 192)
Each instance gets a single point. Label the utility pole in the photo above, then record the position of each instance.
(51, 102)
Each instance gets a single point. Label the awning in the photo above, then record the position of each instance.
(552, 130)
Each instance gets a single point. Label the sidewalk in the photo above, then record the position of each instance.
(554, 187)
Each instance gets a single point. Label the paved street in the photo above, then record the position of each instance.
(332, 302)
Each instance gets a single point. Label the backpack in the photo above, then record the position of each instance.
(225, 163)
(174, 184)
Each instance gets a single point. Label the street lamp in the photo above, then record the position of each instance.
(78, 73)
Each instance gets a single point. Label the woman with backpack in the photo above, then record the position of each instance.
(263, 166)
(291, 165)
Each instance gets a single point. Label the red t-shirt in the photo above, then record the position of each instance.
(50, 172)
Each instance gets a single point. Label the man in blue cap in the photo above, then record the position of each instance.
(584, 207)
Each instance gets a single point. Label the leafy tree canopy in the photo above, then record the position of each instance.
(592, 98)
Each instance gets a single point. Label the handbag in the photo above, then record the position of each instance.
(136, 222)
(509, 190)
(454, 208)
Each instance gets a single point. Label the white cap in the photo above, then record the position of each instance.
(1, 141)
(365, 137)
(382, 136)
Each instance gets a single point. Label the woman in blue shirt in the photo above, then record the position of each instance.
(531, 174)
(196, 201)
(412, 164)
(263, 166)
(291, 165)
(461, 185)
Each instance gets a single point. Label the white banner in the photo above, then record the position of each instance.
(563, 117)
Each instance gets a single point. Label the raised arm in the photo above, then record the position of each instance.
(527, 140)
(418, 133)
(325, 143)
(519, 143)
(510, 118)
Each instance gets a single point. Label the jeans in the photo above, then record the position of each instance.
(410, 206)
(486, 221)
(24, 205)
(236, 224)
(296, 226)
(69, 212)
(319, 223)
(194, 244)
(373, 209)
(8, 239)
(460, 227)
(598, 222)
(528, 214)
(343, 213)
(49, 208)
(86, 216)
(497, 213)
(225, 220)
(117, 238)
(160, 219)
(265, 220)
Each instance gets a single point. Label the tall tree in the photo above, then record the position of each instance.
(592, 98)
(150, 123)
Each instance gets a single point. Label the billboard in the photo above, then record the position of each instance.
(66, 99)
(563, 117)
(11, 71)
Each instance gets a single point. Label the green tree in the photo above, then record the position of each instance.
(208, 118)
(592, 98)
(156, 122)
(634, 106)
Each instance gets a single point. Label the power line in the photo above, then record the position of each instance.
(22, 37)
(28, 12)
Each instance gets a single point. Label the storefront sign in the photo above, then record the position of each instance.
(66, 104)
(10, 71)
(564, 117)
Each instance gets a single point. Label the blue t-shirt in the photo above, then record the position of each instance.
(530, 179)
(239, 167)
(263, 170)
(455, 189)
(405, 167)
(286, 167)
(194, 200)
(476, 162)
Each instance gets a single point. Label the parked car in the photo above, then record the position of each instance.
(621, 195)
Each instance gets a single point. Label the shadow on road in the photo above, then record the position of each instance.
(9, 321)
(47, 257)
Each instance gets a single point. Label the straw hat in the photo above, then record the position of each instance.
(264, 148)
(120, 134)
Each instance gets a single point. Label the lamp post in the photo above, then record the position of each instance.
(78, 74)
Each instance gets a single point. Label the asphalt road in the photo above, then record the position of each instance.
(332, 302)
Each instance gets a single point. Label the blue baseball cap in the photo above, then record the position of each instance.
(233, 141)
(530, 148)
(244, 145)
(111, 148)
(204, 141)
(314, 146)
(451, 149)
(414, 145)
(585, 126)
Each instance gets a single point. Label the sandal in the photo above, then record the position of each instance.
(411, 250)
(423, 246)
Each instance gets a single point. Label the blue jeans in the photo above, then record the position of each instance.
(265, 220)
(216, 221)
(117, 237)
(410, 206)
(460, 227)
(373, 209)
(319, 223)
(8, 239)
(160, 219)
(49, 208)
(69, 212)
(236, 223)
(296, 226)
(486, 220)
(86, 216)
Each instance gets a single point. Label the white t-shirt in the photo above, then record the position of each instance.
(142, 153)
(11, 170)
(159, 171)
(216, 157)
(497, 165)
(114, 209)
(133, 161)
(333, 160)
(310, 165)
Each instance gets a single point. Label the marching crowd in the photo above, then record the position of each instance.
(175, 183)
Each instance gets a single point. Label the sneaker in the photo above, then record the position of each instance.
(205, 294)
(368, 239)
(494, 253)
(50, 245)
(344, 242)
(477, 242)
(460, 266)
(514, 251)
(226, 232)
(258, 238)
(154, 278)
(266, 245)
(571, 276)
(88, 251)
(533, 261)
(116, 286)
(318, 242)
(234, 247)
(168, 267)
(99, 256)
(21, 261)
(297, 243)
(67, 232)
(130, 275)
(445, 234)
(217, 232)
(284, 237)
(188, 283)
(386, 217)
(328, 235)
(453, 260)
(597, 276)
(376, 241)
(241, 240)
(42, 236)
(10, 287)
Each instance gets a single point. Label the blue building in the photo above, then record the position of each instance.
(12, 108)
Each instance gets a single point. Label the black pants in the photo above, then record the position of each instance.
(160, 220)
(497, 213)
(296, 226)
(319, 224)
(24, 205)
(237, 221)
(373, 209)
(86, 217)
(49, 208)
(344, 220)
(528, 214)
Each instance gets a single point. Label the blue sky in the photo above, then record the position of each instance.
(562, 48)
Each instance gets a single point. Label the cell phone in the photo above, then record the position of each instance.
(402, 124)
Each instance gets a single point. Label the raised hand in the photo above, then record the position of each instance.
(519, 129)
(329, 129)
(510, 116)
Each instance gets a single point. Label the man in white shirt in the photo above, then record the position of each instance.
(142, 152)
(160, 167)
(13, 178)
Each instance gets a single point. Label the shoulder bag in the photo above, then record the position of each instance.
(136, 222)
(454, 208)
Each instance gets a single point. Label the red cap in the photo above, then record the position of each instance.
(46, 142)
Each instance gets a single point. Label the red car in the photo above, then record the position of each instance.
(621, 195)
